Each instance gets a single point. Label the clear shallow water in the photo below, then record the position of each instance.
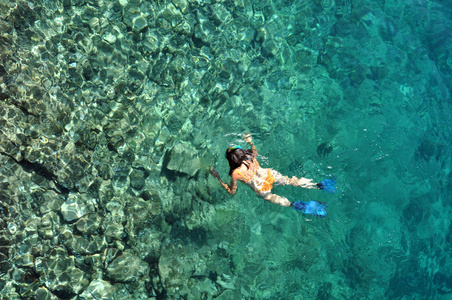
(113, 113)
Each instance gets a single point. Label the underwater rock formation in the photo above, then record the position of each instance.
(112, 112)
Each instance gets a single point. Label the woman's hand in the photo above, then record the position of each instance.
(214, 173)
(247, 137)
(232, 188)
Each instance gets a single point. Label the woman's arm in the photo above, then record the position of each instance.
(231, 188)
(247, 137)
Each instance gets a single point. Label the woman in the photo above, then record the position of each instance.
(245, 168)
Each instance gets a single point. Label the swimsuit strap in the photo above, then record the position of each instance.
(257, 166)
(245, 176)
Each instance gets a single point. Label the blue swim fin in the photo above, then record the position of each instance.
(311, 208)
(328, 185)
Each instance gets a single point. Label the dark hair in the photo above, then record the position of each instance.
(236, 156)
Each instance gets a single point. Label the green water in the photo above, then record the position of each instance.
(113, 112)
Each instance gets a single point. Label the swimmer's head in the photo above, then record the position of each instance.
(236, 155)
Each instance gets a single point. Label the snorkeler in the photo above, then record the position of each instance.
(245, 168)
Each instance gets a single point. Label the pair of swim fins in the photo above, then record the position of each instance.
(313, 207)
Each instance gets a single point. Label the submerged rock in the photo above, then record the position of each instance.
(127, 268)
(73, 209)
(137, 179)
(88, 224)
(49, 225)
(183, 159)
(98, 289)
(44, 294)
(60, 274)
(180, 263)
(52, 202)
(139, 23)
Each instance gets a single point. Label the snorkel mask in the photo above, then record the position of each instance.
(233, 147)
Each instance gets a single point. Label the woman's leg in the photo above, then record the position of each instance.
(294, 181)
(273, 198)
(303, 182)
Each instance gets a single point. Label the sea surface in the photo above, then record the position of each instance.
(113, 112)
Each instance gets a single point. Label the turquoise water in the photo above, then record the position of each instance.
(113, 112)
